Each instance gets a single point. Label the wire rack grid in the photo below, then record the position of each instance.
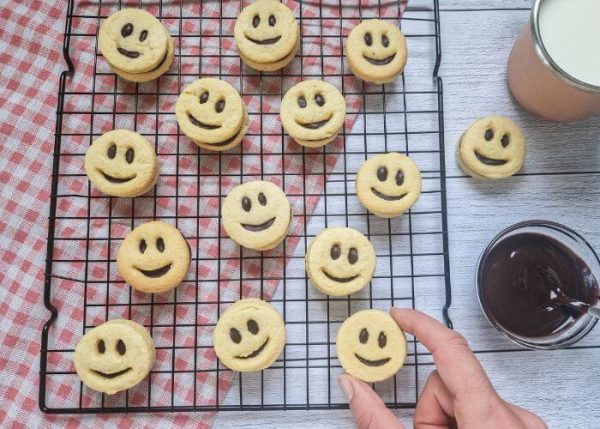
(82, 288)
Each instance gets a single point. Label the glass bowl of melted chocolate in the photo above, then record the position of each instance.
(536, 282)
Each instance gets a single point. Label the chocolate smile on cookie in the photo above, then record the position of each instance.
(255, 352)
(154, 257)
(116, 179)
(368, 362)
(159, 272)
(270, 41)
(339, 279)
(260, 227)
(340, 261)
(489, 161)
(249, 335)
(370, 346)
(388, 184)
(492, 148)
(112, 374)
(256, 215)
(114, 356)
(267, 35)
(129, 54)
(212, 114)
(313, 112)
(121, 163)
(376, 51)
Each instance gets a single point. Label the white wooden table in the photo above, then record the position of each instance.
(560, 182)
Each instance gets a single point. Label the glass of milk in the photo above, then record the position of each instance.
(554, 66)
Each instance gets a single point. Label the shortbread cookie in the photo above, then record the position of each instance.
(376, 51)
(492, 148)
(212, 113)
(114, 356)
(340, 261)
(122, 163)
(388, 184)
(154, 257)
(155, 73)
(370, 346)
(249, 335)
(267, 35)
(313, 112)
(135, 42)
(257, 215)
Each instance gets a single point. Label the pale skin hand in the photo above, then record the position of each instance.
(458, 394)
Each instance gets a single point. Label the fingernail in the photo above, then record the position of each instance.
(346, 387)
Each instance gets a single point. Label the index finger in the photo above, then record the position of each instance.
(458, 367)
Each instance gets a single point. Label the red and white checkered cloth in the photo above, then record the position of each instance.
(31, 37)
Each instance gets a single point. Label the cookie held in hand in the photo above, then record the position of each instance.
(370, 346)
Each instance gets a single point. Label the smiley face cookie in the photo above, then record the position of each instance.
(122, 163)
(212, 113)
(267, 35)
(249, 335)
(114, 356)
(370, 346)
(136, 45)
(313, 112)
(388, 184)
(340, 261)
(492, 148)
(154, 257)
(156, 72)
(257, 215)
(376, 51)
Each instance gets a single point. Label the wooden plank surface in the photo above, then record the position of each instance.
(560, 183)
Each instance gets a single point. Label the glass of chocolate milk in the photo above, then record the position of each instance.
(534, 281)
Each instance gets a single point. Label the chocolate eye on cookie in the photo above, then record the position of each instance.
(257, 215)
(114, 356)
(267, 35)
(249, 335)
(388, 184)
(340, 261)
(313, 112)
(492, 148)
(154, 257)
(212, 113)
(370, 346)
(376, 51)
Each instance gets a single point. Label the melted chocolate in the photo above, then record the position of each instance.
(521, 277)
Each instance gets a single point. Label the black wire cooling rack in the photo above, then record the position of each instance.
(82, 288)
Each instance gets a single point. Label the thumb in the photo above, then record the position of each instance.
(368, 409)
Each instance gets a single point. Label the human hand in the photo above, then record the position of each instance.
(458, 394)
